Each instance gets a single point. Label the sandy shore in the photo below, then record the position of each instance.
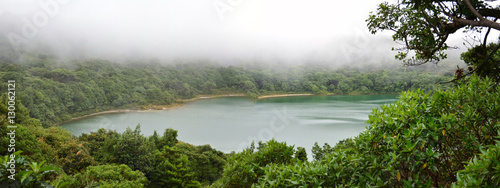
(214, 96)
(284, 95)
(152, 107)
(134, 109)
(175, 105)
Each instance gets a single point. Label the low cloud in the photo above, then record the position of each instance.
(228, 31)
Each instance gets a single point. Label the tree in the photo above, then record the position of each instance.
(318, 152)
(130, 148)
(423, 26)
(172, 170)
(301, 154)
(485, 59)
(96, 140)
(206, 163)
(246, 167)
(169, 139)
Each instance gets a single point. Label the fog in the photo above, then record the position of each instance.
(227, 31)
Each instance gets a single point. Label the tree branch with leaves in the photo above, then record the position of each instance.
(424, 26)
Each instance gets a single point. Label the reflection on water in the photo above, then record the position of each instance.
(229, 124)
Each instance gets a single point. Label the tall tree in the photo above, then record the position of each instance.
(424, 26)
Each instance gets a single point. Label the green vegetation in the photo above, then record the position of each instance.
(105, 176)
(108, 159)
(482, 171)
(55, 91)
(424, 27)
(423, 139)
(420, 140)
(483, 60)
(103, 158)
(437, 138)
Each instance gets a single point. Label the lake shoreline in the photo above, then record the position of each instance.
(180, 103)
(284, 95)
(151, 107)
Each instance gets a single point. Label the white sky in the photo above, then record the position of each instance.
(285, 30)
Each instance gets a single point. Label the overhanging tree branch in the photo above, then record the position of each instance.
(487, 12)
(482, 23)
(425, 25)
(473, 10)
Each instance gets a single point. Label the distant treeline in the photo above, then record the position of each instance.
(55, 91)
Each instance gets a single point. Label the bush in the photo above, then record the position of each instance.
(420, 140)
(300, 174)
(105, 176)
(482, 171)
(246, 167)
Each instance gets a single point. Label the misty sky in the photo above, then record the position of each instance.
(322, 31)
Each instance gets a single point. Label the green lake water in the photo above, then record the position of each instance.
(231, 123)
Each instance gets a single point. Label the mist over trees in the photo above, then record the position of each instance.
(434, 136)
(55, 91)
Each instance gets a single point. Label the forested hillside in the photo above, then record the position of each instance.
(50, 90)
(434, 135)
(55, 90)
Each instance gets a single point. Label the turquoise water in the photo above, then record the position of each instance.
(231, 123)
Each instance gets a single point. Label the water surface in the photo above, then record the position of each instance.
(231, 123)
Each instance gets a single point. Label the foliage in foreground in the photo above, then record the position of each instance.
(418, 141)
(245, 168)
(482, 170)
(27, 174)
(422, 139)
(164, 160)
(106, 176)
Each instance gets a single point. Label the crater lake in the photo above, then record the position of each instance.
(231, 123)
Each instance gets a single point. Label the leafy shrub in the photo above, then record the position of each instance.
(27, 174)
(420, 140)
(105, 176)
(299, 174)
(482, 171)
(246, 167)
(301, 154)
(59, 147)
